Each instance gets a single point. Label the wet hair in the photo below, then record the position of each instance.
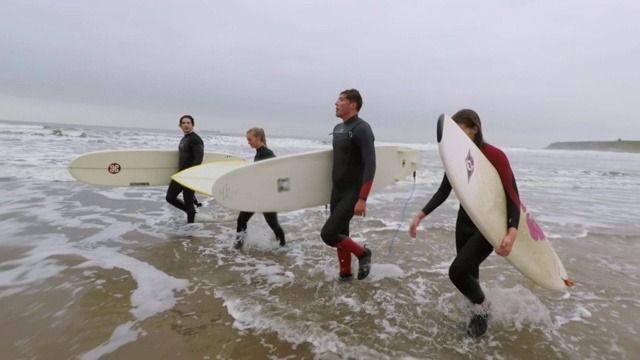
(256, 131)
(353, 95)
(470, 119)
(187, 117)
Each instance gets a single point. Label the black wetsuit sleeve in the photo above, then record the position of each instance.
(196, 146)
(363, 136)
(500, 161)
(439, 197)
(263, 153)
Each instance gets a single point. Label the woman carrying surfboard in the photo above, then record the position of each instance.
(257, 140)
(472, 248)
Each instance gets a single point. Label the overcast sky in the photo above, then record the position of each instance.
(536, 71)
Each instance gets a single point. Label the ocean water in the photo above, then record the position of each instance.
(91, 272)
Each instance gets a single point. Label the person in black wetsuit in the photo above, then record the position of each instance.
(191, 150)
(257, 140)
(354, 166)
(471, 246)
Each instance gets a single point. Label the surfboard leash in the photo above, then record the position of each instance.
(404, 209)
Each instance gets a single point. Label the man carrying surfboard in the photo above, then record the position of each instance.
(472, 248)
(191, 151)
(354, 166)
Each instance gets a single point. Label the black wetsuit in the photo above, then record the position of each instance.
(271, 217)
(354, 166)
(471, 246)
(191, 150)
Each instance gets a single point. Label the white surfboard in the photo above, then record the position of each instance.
(201, 178)
(133, 167)
(304, 180)
(478, 187)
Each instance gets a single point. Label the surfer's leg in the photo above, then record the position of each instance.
(272, 221)
(196, 202)
(331, 232)
(342, 205)
(172, 195)
(243, 219)
(341, 214)
(241, 228)
(190, 209)
(464, 275)
(464, 269)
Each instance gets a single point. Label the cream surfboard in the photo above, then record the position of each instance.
(478, 187)
(201, 178)
(133, 167)
(304, 180)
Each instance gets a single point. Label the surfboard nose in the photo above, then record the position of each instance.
(440, 127)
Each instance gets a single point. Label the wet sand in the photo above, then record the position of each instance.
(198, 327)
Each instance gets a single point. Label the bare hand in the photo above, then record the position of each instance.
(414, 224)
(361, 208)
(507, 242)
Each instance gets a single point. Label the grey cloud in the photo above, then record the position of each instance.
(561, 70)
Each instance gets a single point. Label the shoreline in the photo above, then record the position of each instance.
(630, 146)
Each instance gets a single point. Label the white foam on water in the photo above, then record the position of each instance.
(518, 307)
(249, 316)
(122, 335)
(381, 271)
(5, 126)
(35, 266)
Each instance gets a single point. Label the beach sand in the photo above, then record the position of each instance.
(197, 327)
(86, 305)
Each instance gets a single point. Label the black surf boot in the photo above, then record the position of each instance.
(364, 264)
(479, 321)
(239, 243)
(191, 216)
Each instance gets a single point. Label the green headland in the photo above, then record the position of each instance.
(619, 145)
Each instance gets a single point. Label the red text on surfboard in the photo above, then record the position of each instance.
(113, 168)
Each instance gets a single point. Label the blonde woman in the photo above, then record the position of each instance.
(257, 140)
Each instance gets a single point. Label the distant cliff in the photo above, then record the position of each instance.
(620, 145)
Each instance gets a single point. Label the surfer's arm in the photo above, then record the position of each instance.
(198, 151)
(439, 197)
(365, 140)
(436, 200)
(500, 161)
(507, 242)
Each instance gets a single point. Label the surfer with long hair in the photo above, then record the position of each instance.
(257, 140)
(472, 248)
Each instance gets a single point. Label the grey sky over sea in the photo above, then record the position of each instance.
(537, 72)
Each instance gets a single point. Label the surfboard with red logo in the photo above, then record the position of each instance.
(134, 167)
(477, 186)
